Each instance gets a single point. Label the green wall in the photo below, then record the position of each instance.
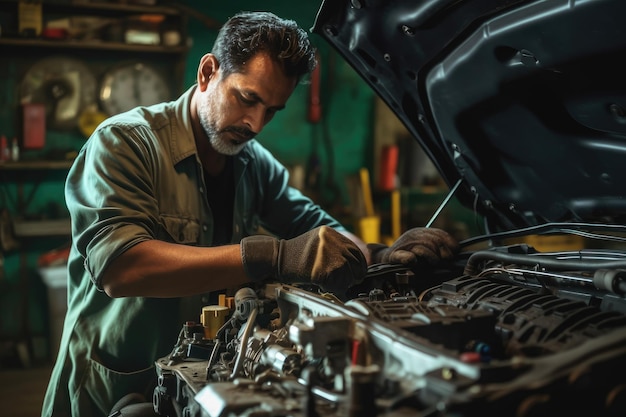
(347, 125)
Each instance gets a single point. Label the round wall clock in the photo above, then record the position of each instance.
(130, 85)
(64, 85)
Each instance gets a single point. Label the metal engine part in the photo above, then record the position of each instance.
(507, 340)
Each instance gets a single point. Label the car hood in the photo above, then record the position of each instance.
(521, 105)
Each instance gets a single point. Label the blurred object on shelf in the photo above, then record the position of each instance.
(89, 119)
(33, 125)
(171, 37)
(5, 152)
(79, 27)
(29, 18)
(64, 84)
(144, 29)
(15, 150)
(54, 33)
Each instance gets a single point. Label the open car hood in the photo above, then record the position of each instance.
(523, 102)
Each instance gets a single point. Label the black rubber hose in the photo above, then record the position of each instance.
(471, 268)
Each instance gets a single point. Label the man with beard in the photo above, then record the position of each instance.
(168, 203)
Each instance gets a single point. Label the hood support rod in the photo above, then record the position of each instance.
(444, 202)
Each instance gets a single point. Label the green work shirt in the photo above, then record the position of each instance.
(137, 178)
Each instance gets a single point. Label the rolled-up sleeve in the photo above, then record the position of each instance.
(110, 196)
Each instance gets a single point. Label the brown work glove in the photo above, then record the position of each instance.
(417, 245)
(322, 256)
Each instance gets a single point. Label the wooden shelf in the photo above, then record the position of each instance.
(100, 7)
(35, 165)
(122, 10)
(40, 228)
(91, 45)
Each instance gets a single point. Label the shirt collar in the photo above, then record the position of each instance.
(182, 141)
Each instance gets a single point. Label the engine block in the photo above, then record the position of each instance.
(492, 343)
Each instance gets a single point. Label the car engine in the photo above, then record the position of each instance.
(502, 331)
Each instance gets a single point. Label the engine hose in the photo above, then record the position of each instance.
(244, 343)
(471, 268)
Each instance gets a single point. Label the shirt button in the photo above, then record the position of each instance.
(205, 227)
(201, 190)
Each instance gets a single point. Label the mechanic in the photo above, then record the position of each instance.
(177, 200)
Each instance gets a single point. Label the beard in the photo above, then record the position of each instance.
(217, 137)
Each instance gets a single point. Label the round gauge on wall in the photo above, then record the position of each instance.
(65, 85)
(130, 85)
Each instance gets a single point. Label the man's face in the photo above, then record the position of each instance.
(235, 109)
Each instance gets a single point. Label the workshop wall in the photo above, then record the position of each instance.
(328, 151)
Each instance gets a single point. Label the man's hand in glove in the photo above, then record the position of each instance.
(418, 245)
(322, 256)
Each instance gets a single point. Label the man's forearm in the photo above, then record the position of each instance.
(159, 269)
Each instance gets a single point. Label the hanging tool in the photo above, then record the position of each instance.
(368, 226)
(314, 113)
(366, 191)
(330, 195)
(396, 213)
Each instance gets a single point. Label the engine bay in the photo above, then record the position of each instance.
(522, 114)
(507, 331)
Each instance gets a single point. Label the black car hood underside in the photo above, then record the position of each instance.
(523, 102)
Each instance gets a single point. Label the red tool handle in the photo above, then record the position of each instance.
(315, 105)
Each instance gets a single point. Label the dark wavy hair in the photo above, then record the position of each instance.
(247, 33)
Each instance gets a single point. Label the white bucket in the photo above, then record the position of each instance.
(55, 278)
